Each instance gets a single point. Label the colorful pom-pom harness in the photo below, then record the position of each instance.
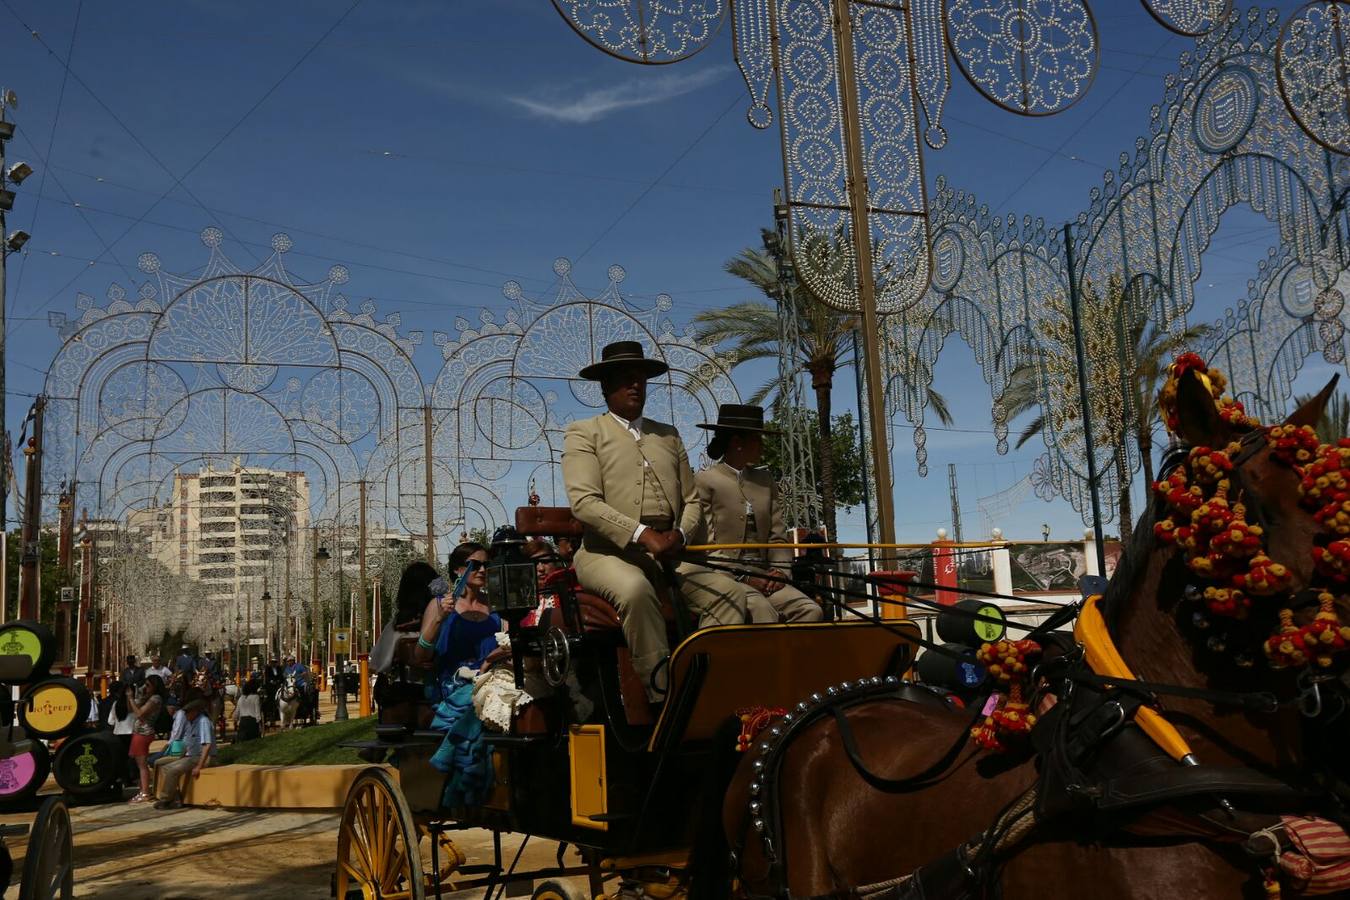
(1227, 551)
(1224, 550)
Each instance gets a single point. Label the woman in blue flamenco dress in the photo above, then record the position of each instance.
(459, 630)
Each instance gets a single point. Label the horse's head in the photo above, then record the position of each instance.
(1243, 581)
(1264, 479)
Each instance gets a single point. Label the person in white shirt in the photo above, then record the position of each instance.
(157, 667)
(248, 713)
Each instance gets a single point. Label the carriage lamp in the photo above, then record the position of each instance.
(1045, 531)
(512, 581)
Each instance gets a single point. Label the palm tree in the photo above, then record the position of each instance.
(749, 331)
(1124, 381)
(1335, 421)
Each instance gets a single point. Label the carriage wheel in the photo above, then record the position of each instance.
(378, 856)
(49, 864)
(557, 889)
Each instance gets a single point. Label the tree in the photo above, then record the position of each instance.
(749, 331)
(846, 455)
(1335, 421)
(1129, 358)
(52, 577)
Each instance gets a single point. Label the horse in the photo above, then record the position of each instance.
(859, 800)
(288, 698)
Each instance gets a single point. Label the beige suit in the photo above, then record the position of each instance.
(729, 498)
(615, 483)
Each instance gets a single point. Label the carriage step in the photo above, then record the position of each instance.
(515, 740)
(14, 831)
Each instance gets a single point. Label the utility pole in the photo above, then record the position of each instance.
(956, 502)
(316, 621)
(9, 243)
(431, 494)
(359, 612)
(29, 572)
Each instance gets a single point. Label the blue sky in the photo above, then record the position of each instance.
(440, 148)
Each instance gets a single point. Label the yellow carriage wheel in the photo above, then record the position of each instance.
(377, 854)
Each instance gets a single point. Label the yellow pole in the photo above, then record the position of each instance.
(364, 666)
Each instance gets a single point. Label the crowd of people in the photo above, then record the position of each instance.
(150, 702)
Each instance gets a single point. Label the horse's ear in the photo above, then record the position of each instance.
(1311, 411)
(1198, 420)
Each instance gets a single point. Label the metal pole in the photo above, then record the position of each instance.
(30, 577)
(314, 595)
(867, 301)
(340, 714)
(7, 460)
(862, 451)
(359, 612)
(431, 515)
(1094, 482)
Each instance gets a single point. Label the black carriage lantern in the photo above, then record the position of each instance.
(512, 582)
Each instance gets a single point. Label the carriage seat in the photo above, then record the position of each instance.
(555, 522)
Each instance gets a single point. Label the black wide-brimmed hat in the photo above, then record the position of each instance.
(619, 354)
(734, 418)
(739, 417)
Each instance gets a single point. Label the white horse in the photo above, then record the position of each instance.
(288, 701)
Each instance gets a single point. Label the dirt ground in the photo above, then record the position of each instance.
(125, 852)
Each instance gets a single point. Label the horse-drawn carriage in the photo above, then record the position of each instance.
(620, 784)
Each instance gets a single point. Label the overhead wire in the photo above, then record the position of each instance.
(51, 142)
(689, 148)
(178, 180)
(1002, 205)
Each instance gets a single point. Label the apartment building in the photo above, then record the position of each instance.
(231, 529)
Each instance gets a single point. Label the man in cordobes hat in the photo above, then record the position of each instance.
(740, 506)
(630, 484)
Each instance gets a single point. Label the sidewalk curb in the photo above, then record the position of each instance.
(273, 787)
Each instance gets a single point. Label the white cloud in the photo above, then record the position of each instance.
(596, 103)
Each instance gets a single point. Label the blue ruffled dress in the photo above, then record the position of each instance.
(462, 754)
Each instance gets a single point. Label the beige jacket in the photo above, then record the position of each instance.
(723, 500)
(602, 472)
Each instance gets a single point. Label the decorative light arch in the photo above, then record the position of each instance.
(1220, 138)
(507, 389)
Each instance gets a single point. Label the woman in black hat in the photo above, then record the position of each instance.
(740, 501)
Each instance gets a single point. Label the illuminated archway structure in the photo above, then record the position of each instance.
(1220, 138)
(507, 389)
